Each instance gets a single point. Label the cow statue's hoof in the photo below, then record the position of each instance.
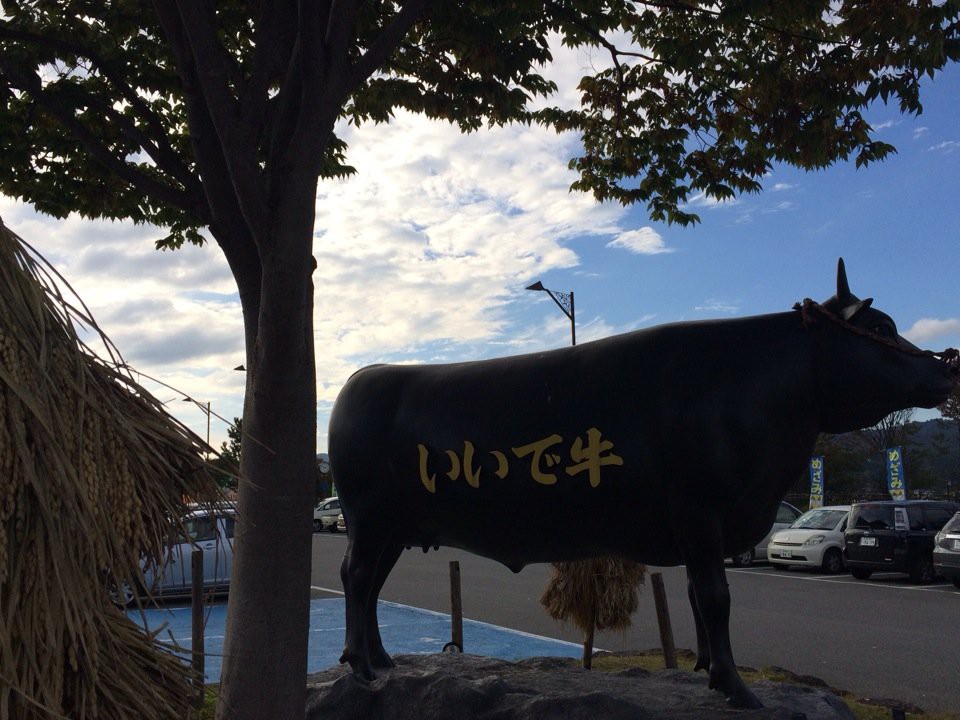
(737, 693)
(381, 660)
(744, 699)
(359, 666)
(703, 661)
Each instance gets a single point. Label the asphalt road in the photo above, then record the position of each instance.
(881, 638)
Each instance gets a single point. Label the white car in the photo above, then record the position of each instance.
(786, 514)
(325, 515)
(814, 540)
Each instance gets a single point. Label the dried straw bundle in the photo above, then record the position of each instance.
(600, 592)
(92, 469)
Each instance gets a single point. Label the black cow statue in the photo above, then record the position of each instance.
(672, 445)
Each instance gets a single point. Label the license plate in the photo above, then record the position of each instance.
(868, 541)
(786, 554)
(956, 544)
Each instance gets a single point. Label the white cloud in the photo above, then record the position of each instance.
(173, 316)
(782, 206)
(437, 232)
(927, 329)
(714, 305)
(885, 125)
(946, 147)
(645, 241)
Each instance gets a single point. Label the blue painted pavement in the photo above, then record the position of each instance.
(404, 630)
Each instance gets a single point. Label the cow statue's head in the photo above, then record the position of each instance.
(865, 369)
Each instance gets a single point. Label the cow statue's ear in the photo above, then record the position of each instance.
(849, 312)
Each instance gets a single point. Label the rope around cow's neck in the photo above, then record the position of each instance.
(808, 307)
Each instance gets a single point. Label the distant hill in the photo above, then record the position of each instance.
(938, 442)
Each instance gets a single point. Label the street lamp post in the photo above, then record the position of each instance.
(206, 409)
(564, 301)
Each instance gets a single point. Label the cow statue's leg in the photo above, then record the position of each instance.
(358, 572)
(379, 658)
(703, 646)
(710, 599)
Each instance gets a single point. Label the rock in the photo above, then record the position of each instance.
(471, 687)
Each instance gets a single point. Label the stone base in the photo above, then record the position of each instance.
(471, 687)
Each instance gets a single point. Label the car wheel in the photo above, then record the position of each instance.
(956, 582)
(861, 574)
(334, 528)
(744, 559)
(832, 561)
(922, 570)
(317, 525)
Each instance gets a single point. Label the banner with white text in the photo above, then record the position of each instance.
(896, 483)
(816, 481)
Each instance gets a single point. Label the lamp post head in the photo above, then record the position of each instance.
(564, 301)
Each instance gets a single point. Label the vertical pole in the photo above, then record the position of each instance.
(588, 637)
(196, 599)
(456, 606)
(663, 620)
(573, 322)
(206, 453)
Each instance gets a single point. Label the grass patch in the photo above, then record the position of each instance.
(208, 710)
(652, 660)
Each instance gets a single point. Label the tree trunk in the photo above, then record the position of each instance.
(265, 649)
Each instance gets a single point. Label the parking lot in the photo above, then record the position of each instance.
(405, 630)
(889, 581)
(878, 638)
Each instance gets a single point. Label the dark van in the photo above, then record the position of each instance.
(895, 536)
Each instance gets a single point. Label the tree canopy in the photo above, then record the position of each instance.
(693, 97)
(219, 118)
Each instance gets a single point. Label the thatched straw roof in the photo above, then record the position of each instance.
(602, 590)
(92, 469)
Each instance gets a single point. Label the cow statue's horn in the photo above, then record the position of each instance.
(843, 288)
(849, 303)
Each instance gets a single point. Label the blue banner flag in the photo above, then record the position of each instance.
(896, 483)
(816, 481)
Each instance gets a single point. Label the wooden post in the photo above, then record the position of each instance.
(196, 599)
(663, 620)
(588, 639)
(456, 606)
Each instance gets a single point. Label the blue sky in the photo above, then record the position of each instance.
(424, 256)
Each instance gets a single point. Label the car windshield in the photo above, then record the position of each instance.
(819, 519)
(953, 526)
(872, 517)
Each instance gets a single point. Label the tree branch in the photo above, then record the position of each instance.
(190, 28)
(156, 143)
(379, 52)
(275, 35)
(50, 103)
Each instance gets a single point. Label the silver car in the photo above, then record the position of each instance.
(946, 551)
(208, 530)
(786, 515)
